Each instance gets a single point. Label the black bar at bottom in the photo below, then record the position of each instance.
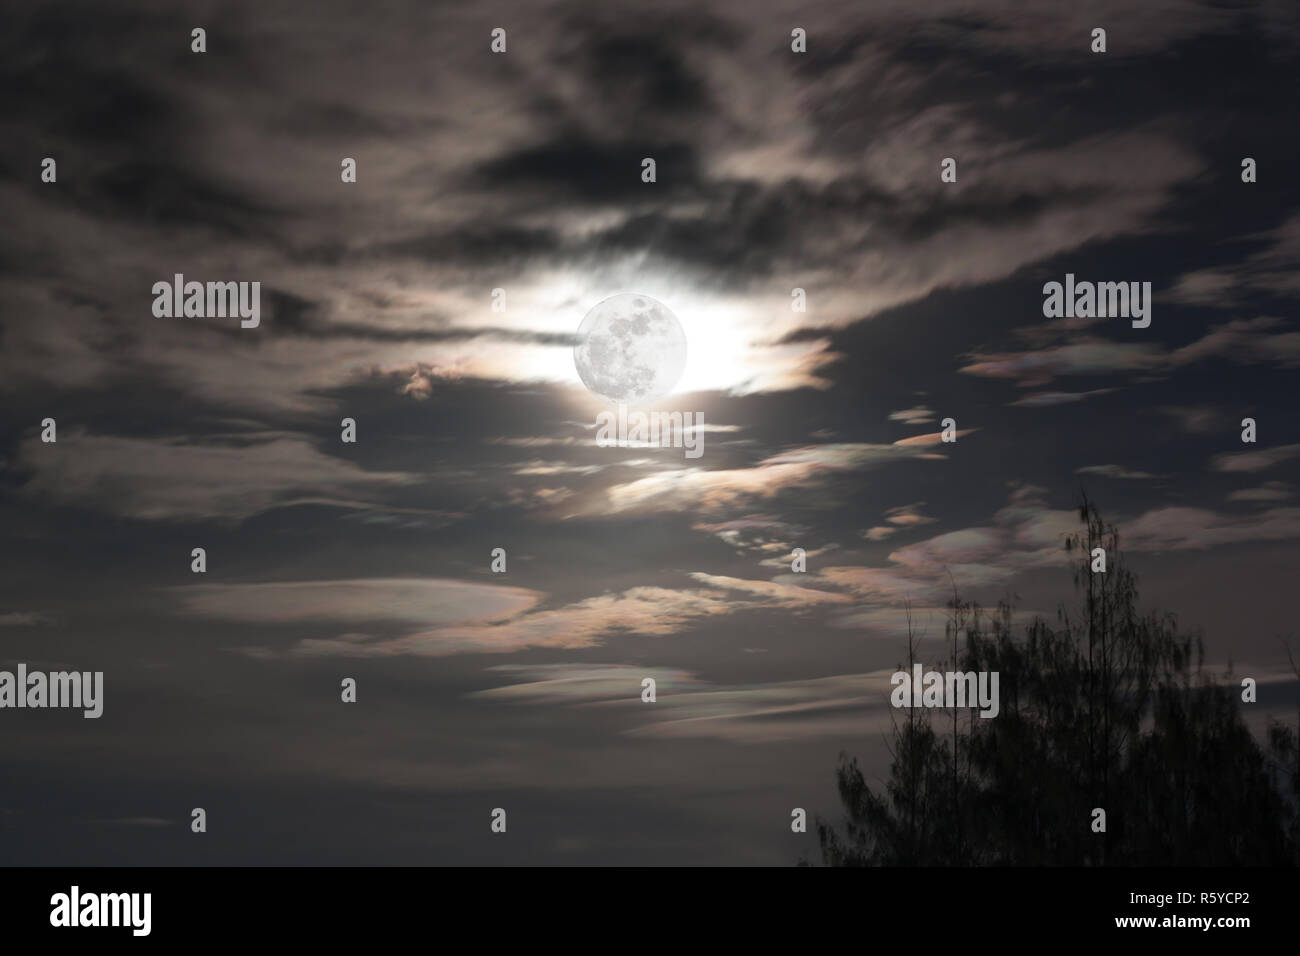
(333, 906)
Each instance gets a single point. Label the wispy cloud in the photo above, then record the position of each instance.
(700, 489)
(1115, 471)
(773, 593)
(25, 619)
(686, 706)
(1274, 270)
(642, 611)
(1269, 491)
(180, 479)
(1255, 459)
(903, 516)
(420, 601)
(1027, 535)
(919, 415)
(1048, 399)
(1242, 341)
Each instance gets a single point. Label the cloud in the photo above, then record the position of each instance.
(643, 611)
(173, 479)
(925, 623)
(761, 534)
(1195, 419)
(772, 173)
(1245, 342)
(1254, 460)
(1115, 471)
(1026, 535)
(1269, 491)
(539, 467)
(420, 601)
(25, 619)
(1039, 367)
(157, 823)
(785, 555)
(933, 438)
(904, 516)
(908, 515)
(522, 171)
(533, 441)
(754, 532)
(1273, 271)
(466, 618)
(689, 707)
(919, 415)
(773, 593)
(1196, 529)
(696, 488)
(581, 684)
(1048, 399)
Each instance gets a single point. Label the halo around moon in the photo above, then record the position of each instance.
(631, 349)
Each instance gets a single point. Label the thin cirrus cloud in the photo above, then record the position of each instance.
(903, 516)
(1254, 460)
(25, 619)
(699, 489)
(1195, 529)
(420, 601)
(773, 593)
(933, 438)
(1039, 367)
(687, 706)
(753, 532)
(179, 479)
(1274, 270)
(483, 619)
(1243, 341)
(1027, 535)
(1115, 471)
(917, 415)
(645, 611)
(1269, 491)
(1048, 399)
(1194, 419)
(784, 555)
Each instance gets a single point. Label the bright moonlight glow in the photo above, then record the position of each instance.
(631, 349)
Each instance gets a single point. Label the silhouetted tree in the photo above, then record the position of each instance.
(1109, 707)
(1284, 764)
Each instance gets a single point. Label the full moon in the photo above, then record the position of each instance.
(631, 349)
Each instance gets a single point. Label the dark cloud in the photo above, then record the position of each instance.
(577, 168)
(481, 246)
(645, 73)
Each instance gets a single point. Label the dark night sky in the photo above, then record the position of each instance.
(522, 171)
